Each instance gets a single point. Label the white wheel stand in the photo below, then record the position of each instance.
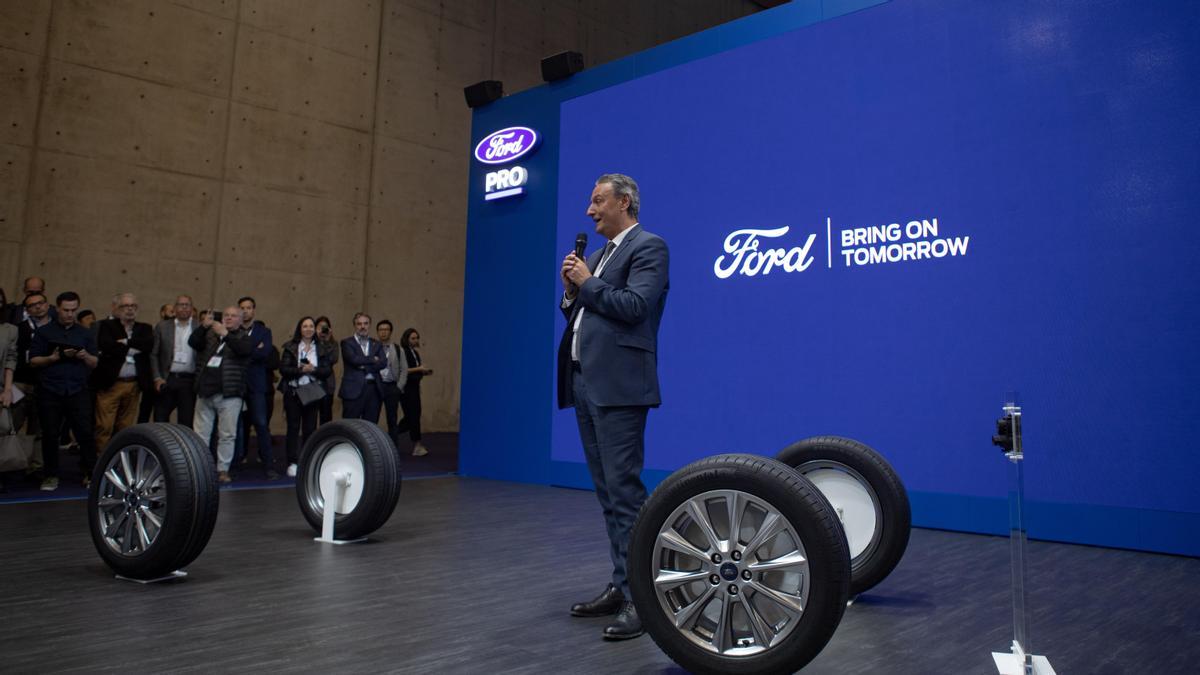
(342, 481)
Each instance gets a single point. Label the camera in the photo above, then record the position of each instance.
(304, 360)
(1008, 433)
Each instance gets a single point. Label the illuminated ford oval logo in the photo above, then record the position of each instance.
(506, 145)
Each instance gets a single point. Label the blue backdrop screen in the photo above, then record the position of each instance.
(880, 223)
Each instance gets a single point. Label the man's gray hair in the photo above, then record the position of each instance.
(624, 186)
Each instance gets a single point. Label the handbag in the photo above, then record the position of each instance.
(310, 393)
(15, 448)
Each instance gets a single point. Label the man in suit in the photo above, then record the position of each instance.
(394, 377)
(124, 368)
(173, 364)
(259, 392)
(608, 370)
(363, 359)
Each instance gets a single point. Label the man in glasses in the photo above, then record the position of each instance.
(36, 313)
(124, 368)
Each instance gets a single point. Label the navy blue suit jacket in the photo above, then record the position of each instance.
(618, 336)
(256, 371)
(356, 367)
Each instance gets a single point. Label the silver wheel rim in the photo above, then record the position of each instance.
(131, 501)
(730, 572)
(855, 502)
(334, 456)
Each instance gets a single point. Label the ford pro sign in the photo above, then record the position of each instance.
(506, 145)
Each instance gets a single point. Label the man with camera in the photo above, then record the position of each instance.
(224, 351)
(64, 354)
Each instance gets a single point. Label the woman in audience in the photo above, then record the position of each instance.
(325, 336)
(304, 364)
(410, 398)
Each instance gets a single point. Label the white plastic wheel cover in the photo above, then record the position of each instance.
(853, 504)
(342, 458)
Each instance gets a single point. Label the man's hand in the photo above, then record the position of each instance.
(6, 397)
(307, 368)
(159, 384)
(574, 271)
(69, 353)
(220, 329)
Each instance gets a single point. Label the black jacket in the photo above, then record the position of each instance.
(112, 354)
(234, 358)
(289, 369)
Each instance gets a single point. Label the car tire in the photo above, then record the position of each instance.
(153, 500)
(788, 563)
(867, 494)
(363, 449)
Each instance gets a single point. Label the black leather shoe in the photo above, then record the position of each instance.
(608, 602)
(627, 625)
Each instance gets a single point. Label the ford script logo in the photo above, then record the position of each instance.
(506, 145)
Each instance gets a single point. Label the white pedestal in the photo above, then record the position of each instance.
(330, 515)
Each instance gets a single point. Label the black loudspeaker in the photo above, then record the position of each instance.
(561, 66)
(483, 93)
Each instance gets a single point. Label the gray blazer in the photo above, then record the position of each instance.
(397, 364)
(618, 335)
(164, 347)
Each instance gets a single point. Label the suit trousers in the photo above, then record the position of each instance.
(256, 418)
(116, 408)
(178, 394)
(365, 407)
(391, 406)
(614, 444)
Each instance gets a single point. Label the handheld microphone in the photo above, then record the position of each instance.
(580, 244)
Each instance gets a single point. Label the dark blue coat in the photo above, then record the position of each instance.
(356, 366)
(256, 371)
(618, 337)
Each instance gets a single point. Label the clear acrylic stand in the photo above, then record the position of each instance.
(1019, 661)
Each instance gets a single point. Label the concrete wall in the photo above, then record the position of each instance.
(311, 153)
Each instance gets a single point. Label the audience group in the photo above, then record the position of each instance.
(73, 380)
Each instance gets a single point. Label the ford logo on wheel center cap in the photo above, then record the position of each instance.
(729, 571)
(506, 145)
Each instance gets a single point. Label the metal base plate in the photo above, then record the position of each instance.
(339, 542)
(177, 574)
(1010, 664)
